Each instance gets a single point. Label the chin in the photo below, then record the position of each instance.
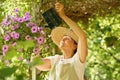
(61, 46)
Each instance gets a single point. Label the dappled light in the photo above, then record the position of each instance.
(24, 34)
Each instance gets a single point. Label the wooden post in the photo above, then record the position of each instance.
(33, 70)
(33, 73)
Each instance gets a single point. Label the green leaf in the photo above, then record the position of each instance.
(36, 61)
(20, 77)
(2, 0)
(10, 54)
(28, 44)
(7, 71)
(25, 44)
(19, 45)
(1, 44)
(110, 41)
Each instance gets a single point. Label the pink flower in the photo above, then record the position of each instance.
(7, 37)
(4, 48)
(27, 13)
(40, 40)
(14, 35)
(30, 24)
(40, 28)
(47, 46)
(35, 38)
(21, 50)
(16, 10)
(35, 50)
(14, 19)
(20, 20)
(26, 17)
(20, 58)
(14, 44)
(5, 21)
(15, 27)
(28, 37)
(34, 29)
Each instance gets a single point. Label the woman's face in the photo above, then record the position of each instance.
(67, 43)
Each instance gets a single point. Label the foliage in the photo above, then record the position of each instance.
(102, 25)
(7, 71)
(104, 45)
(20, 40)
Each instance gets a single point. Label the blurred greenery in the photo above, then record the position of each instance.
(35, 61)
(100, 21)
(7, 71)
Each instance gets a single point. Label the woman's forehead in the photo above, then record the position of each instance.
(66, 36)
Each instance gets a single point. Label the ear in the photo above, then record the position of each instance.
(75, 46)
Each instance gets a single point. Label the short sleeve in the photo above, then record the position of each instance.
(54, 59)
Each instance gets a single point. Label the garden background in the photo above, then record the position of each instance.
(24, 33)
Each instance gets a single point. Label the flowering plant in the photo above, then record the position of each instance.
(22, 37)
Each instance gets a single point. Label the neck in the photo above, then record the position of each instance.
(67, 54)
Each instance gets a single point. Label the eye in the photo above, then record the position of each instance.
(66, 38)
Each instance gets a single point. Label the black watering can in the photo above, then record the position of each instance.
(52, 18)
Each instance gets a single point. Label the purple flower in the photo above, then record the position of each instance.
(26, 17)
(8, 23)
(14, 35)
(35, 38)
(15, 27)
(28, 37)
(14, 19)
(40, 40)
(47, 47)
(20, 58)
(7, 37)
(30, 24)
(35, 50)
(16, 10)
(5, 21)
(20, 20)
(14, 44)
(27, 13)
(40, 28)
(4, 48)
(21, 50)
(34, 29)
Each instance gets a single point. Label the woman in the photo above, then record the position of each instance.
(73, 44)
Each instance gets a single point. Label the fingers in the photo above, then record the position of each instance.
(59, 8)
(58, 5)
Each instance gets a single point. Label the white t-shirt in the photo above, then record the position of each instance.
(66, 69)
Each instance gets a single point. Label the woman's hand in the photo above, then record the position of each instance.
(59, 9)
